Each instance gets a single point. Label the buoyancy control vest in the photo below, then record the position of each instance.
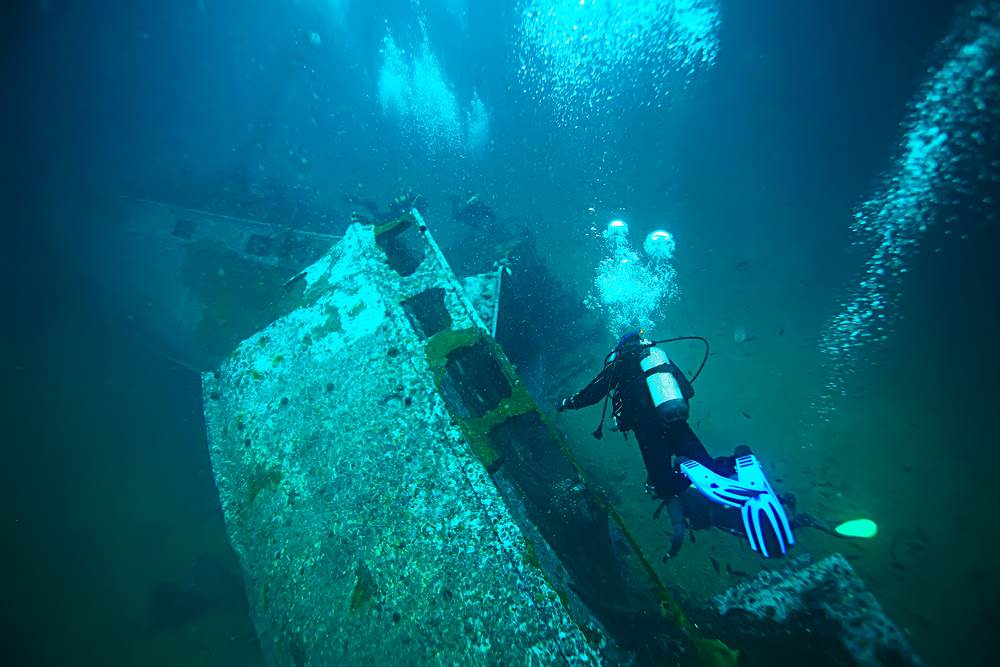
(667, 394)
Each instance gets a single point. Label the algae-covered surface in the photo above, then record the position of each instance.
(346, 488)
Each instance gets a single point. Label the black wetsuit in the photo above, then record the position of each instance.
(634, 411)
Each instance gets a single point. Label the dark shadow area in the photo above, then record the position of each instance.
(117, 538)
(403, 247)
(605, 571)
(427, 313)
(473, 375)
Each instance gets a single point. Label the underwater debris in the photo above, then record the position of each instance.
(439, 521)
(825, 608)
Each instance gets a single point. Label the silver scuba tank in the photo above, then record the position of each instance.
(663, 387)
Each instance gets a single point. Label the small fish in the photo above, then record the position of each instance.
(742, 264)
(781, 332)
(729, 569)
(740, 573)
(715, 565)
(293, 282)
(747, 415)
(920, 619)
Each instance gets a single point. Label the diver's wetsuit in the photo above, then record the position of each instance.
(634, 411)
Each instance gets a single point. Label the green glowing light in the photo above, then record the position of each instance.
(865, 528)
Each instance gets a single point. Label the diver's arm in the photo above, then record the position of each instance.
(592, 393)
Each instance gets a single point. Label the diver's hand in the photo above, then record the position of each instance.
(565, 404)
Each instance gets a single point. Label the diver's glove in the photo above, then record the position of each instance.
(751, 493)
(565, 404)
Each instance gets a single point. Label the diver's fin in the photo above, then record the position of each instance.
(715, 487)
(752, 494)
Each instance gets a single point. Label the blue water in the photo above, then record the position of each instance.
(828, 174)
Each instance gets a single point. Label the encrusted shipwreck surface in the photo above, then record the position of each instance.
(811, 613)
(359, 447)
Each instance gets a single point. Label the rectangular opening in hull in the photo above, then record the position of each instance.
(427, 312)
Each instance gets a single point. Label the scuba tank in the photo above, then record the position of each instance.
(663, 387)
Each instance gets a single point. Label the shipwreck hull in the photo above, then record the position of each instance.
(394, 494)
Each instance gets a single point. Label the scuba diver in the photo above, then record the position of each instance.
(406, 201)
(475, 213)
(400, 205)
(482, 238)
(649, 396)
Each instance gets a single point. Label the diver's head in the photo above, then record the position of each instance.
(627, 346)
(629, 341)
